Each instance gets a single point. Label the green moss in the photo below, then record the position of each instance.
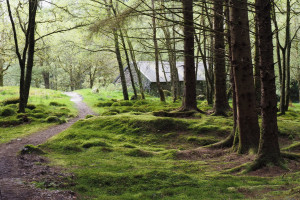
(104, 104)
(54, 103)
(139, 153)
(202, 141)
(126, 103)
(9, 101)
(94, 143)
(5, 112)
(31, 106)
(52, 119)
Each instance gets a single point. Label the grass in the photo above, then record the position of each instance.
(15, 125)
(132, 155)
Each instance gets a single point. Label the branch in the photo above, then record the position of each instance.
(61, 31)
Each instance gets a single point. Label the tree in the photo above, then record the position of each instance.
(156, 54)
(269, 151)
(247, 118)
(25, 58)
(221, 101)
(189, 98)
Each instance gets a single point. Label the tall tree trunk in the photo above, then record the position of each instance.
(132, 55)
(156, 54)
(288, 54)
(243, 77)
(189, 99)
(221, 101)
(128, 64)
(46, 78)
(269, 151)
(257, 68)
(120, 64)
(1, 73)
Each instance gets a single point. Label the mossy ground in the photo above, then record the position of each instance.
(132, 155)
(14, 125)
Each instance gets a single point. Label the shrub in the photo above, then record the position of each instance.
(53, 103)
(52, 119)
(7, 112)
(11, 101)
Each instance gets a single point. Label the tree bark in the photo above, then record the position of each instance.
(269, 151)
(128, 64)
(132, 55)
(156, 54)
(243, 77)
(189, 99)
(221, 101)
(120, 64)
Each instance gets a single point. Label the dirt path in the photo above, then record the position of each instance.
(12, 186)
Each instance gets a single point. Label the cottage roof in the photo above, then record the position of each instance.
(147, 68)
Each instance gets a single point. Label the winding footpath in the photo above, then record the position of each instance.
(12, 186)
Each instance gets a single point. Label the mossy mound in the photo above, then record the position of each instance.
(11, 101)
(202, 141)
(52, 119)
(139, 153)
(31, 149)
(6, 112)
(94, 143)
(54, 103)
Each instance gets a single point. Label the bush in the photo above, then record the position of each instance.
(53, 103)
(11, 101)
(8, 112)
(52, 119)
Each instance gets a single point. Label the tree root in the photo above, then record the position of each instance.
(236, 169)
(291, 156)
(226, 143)
(292, 147)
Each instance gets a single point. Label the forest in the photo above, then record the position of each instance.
(149, 99)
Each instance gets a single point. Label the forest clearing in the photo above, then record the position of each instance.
(149, 99)
(128, 153)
